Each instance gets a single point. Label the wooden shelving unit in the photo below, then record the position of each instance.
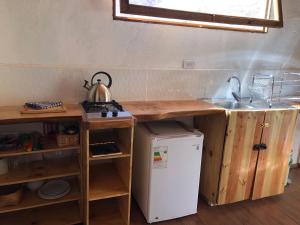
(107, 184)
(41, 170)
(32, 209)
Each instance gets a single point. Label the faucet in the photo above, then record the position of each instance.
(237, 96)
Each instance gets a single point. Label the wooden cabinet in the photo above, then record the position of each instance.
(251, 160)
(239, 160)
(107, 178)
(272, 162)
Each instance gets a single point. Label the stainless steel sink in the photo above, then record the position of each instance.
(234, 105)
(274, 105)
(253, 106)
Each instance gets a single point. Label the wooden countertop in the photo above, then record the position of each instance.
(295, 104)
(141, 110)
(11, 114)
(158, 110)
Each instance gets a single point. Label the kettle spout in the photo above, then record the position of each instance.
(86, 85)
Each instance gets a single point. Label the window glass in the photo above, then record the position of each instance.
(240, 8)
(241, 15)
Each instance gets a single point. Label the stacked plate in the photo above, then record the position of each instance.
(54, 189)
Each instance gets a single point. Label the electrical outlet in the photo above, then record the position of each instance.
(189, 64)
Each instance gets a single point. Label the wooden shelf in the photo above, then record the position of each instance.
(32, 200)
(62, 214)
(22, 152)
(11, 114)
(106, 212)
(121, 138)
(96, 124)
(105, 182)
(102, 157)
(41, 170)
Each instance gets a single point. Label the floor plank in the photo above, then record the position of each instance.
(278, 210)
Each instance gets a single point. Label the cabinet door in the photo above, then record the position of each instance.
(239, 160)
(272, 162)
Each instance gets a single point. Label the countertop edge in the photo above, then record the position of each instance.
(141, 110)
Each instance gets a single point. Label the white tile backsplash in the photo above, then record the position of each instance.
(35, 83)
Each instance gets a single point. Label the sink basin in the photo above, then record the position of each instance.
(253, 106)
(275, 105)
(234, 105)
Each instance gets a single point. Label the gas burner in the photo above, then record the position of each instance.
(111, 109)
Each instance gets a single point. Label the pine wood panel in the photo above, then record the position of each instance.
(12, 114)
(239, 160)
(107, 212)
(96, 124)
(125, 207)
(213, 127)
(85, 174)
(273, 162)
(158, 110)
(81, 177)
(62, 214)
(105, 182)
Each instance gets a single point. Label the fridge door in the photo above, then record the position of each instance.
(174, 177)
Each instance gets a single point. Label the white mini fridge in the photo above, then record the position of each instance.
(166, 170)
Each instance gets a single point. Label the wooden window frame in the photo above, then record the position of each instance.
(127, 8)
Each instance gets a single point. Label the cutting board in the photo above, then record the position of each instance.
(60, 109)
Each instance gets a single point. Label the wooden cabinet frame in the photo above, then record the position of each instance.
(107, 179)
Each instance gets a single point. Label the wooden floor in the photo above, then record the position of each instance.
(278, 210)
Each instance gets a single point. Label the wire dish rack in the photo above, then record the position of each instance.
(270, 88)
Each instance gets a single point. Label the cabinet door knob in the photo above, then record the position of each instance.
(265, 125)
(263, 146)
(256, 147)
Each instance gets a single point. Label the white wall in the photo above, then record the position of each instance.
(47, 48)
(48, 45)
(82, 32)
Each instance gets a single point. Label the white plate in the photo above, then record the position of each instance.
(54, 189)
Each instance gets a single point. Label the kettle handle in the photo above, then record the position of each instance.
(109, 78)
